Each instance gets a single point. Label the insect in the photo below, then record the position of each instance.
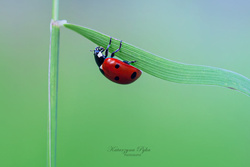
(118, 71)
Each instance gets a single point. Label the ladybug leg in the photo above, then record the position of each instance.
(113, 54)
(129, 62)
(107, 50)
(102, 49)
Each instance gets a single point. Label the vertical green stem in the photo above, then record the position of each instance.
(55, 9)
(53, 84)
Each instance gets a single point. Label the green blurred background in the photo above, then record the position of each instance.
(182, 125)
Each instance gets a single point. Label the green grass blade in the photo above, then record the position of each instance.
(167, 69)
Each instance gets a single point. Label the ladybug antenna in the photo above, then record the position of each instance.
(91, 50)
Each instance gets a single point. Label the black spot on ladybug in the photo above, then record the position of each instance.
(117, 66)
(133, 75)
(116, 78)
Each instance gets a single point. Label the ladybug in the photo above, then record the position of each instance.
(118, 71)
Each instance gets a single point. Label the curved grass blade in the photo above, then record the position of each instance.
(167, 69)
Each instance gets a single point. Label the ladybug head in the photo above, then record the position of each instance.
(99, 57)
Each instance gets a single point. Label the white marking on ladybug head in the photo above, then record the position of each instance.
(100, 67)
(99, 54)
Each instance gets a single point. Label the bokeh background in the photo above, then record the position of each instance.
(182, 125)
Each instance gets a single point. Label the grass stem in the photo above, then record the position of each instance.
(53, 84)
(55, 9)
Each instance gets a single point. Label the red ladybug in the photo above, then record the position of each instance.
(115, 70)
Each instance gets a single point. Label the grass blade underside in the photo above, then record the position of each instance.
(167, 69)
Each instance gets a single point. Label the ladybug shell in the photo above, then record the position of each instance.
(120, 72)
